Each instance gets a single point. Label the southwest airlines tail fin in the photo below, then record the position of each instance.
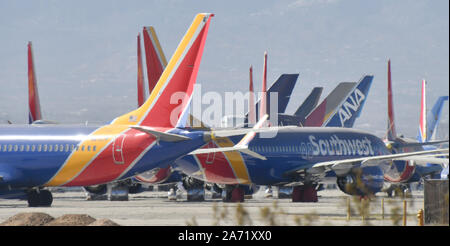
(351, 108)
(423, 115)
(310, 103)
(320, 115)
(140, 74)
(169, 99)
(154, 57)
(33, 96)
(251, 102)
(391, 133)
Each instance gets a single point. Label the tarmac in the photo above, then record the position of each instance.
(152, 208)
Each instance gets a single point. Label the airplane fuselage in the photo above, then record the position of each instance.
(52, 155)
(290, 150)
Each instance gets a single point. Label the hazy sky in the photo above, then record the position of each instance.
(85, 52)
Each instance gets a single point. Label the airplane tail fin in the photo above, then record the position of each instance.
(320, 115)
(310, 103)
(391, 133)
(140, 74)
(263, 107)
(169, 99)
(33, 95)
(251, 103)
(433, 120)
(423, 114)
(351, 108)
(284, 87)
(154, 57)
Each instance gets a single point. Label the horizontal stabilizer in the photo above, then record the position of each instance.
(242, 146)
(164, 136)
(243, 149)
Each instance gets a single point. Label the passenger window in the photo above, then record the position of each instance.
(94, 148)
(82, 148)
(67, 148)
(33, 148)
(50, 148)
(88, 148)
(61, 148)
(56, 148)
(22, 148)
(39, 147)
(45, 147)
(27, 148)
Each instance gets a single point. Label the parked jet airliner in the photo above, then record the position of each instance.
(36, 156)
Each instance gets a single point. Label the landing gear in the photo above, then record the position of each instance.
(39, 198)
(268, 193)
(194, 188)
(399, 190)
(284, 192)
(304, 193)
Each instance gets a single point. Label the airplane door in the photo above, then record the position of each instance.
(211, 156)
(117, 149)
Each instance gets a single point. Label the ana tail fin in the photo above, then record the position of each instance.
(391, 133)
(154, 57)
(140, 74)
(351, 108)
(33, 95)
(171, 95)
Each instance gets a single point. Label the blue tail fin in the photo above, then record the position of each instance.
(283, 86)
(351, 108)
(434, 118)
(310, 103)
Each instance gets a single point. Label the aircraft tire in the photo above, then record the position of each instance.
(33, 199)
(45, 198)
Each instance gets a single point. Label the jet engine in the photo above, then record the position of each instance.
(361, 181)
(155, 176)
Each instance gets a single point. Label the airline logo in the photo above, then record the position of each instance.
(336, 146)
(351, 106)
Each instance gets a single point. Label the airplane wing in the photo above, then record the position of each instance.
(368, 161)
(424, 160)
(242, 146)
